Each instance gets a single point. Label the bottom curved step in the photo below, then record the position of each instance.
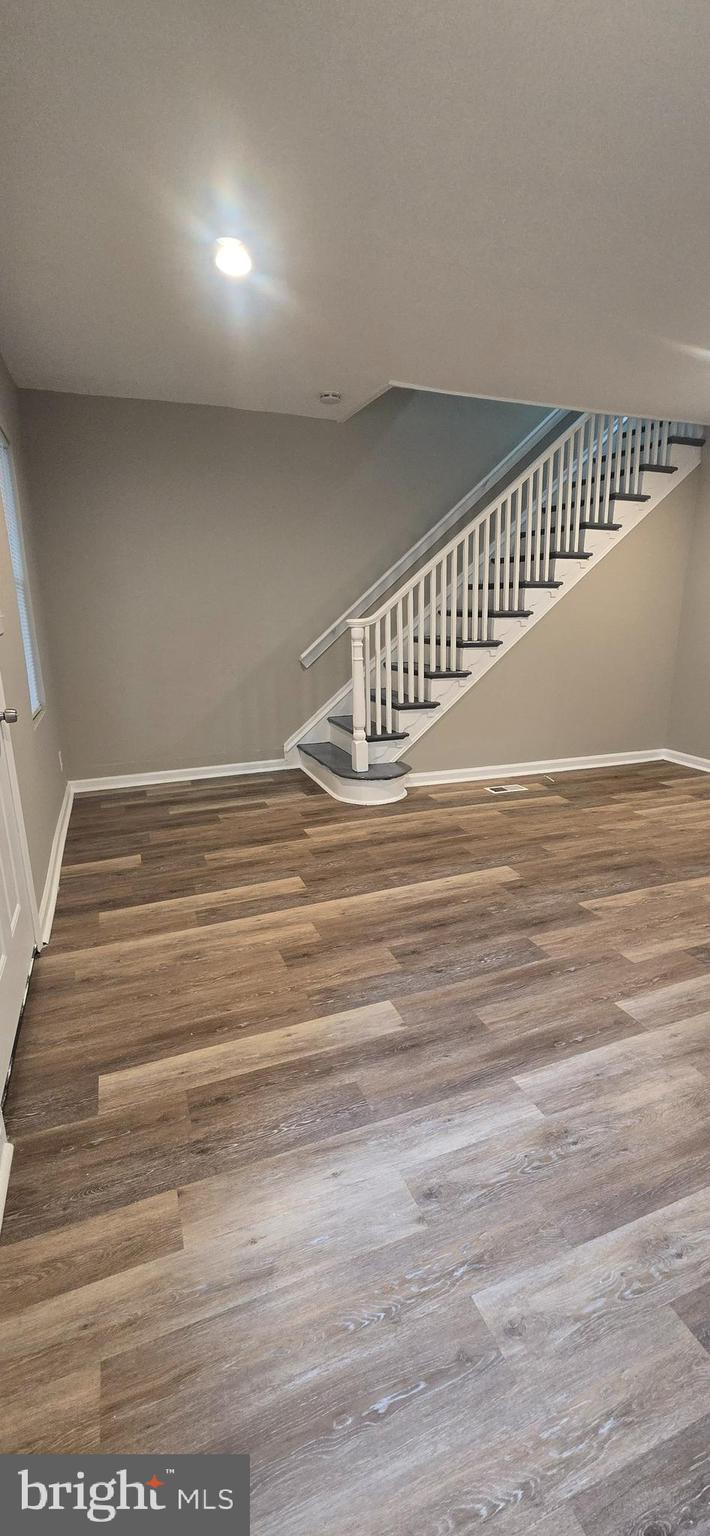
(332, 768)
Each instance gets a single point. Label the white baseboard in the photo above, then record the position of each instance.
(686, 760)
(51, 884)
(179, 775)
(548, 765)
(6, 1151)
(435, 776)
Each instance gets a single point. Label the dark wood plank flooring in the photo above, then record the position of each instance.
(376, 1143)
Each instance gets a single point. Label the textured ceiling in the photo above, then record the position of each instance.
(501, 197)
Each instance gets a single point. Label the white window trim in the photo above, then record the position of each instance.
(23, 591)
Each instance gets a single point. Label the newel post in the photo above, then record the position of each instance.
(360, 756)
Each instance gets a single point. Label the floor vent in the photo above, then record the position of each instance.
(507, 789)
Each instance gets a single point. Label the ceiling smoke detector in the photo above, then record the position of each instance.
(330, 397)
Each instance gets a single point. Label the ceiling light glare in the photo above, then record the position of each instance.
(232, 257)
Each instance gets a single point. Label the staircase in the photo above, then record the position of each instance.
(452, 619)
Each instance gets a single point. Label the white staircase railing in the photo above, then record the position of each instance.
(508, 547)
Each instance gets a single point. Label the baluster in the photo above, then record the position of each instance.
(506, 512)
(525, 528)
(482, 592)
(665, 445)
(621, 453)
(578, 450)
(402, 679)
(411, 677)
(433, 620)
(568, 510)
(602, 464)
(636, 463)
(591, 431)
(498, 601)
(440, 664)
(477, 558)
(465, 586)
(560, 539)
(421, 636)
(359, 746)
(530, 509)
(608, 472)
(548, 514)
(610, 468)
(453, 621)
(618, 453)
(619, 460)
(378, 676)
(368, 680)
(545, 513)
(388, 670)
(515, 571)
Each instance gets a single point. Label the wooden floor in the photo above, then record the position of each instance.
(376, 1143)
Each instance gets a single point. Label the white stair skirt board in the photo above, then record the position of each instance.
(6, 1151)
(179, 775)
(51, 884)
(517, 558)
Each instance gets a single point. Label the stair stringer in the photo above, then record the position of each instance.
(598, 543)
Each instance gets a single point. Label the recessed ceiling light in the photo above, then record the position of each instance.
(232, 257)
(330, 397)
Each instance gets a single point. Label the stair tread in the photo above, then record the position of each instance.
(566, 554)
(433, 672)
(494, 586)
(468, 644)
(497, 613)
(345, 723)
(329, 756)
(688, 441)
(398, 703)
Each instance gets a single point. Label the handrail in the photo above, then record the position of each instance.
(478, 576)
(429, 539)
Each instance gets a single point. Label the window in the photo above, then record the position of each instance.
(19, 571)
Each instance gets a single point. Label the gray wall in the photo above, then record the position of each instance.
(690, 713)
(190, 553)
(596, 674)
(35, 743)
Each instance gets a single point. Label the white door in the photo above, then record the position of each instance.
(17, 936)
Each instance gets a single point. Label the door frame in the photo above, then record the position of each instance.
(6, 732)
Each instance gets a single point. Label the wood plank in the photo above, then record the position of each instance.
(234, 1058)
(71, 1256)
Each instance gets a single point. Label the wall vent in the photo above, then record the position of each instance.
(507, 789)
